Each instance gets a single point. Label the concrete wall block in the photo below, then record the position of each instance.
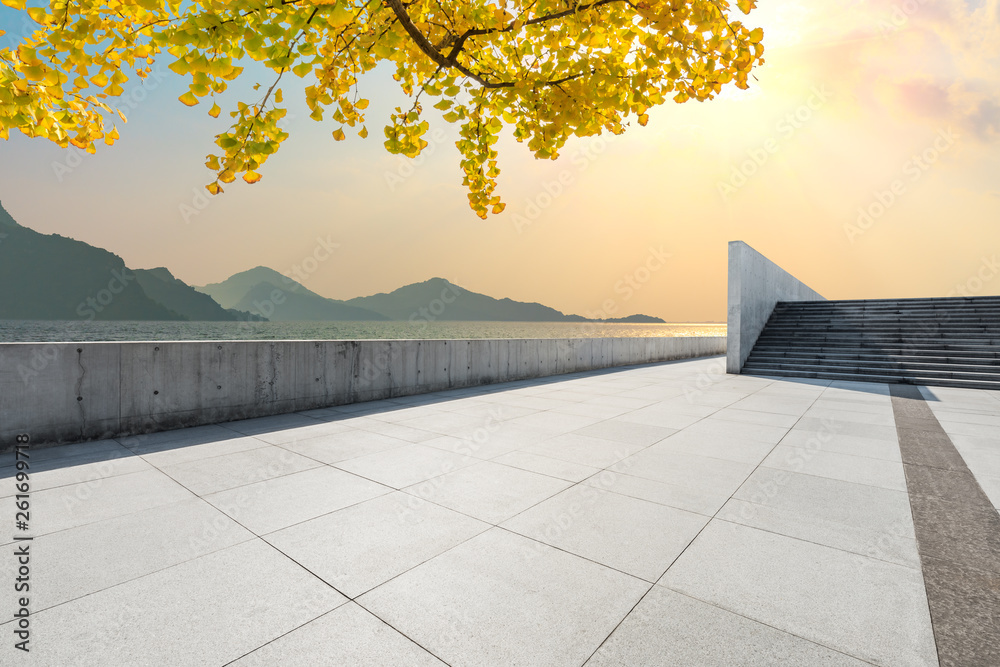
(548, 357)
(59, 391)
(484, 361)
(435, 365)
(459, 363)
(338, 371)
(403, 368)
(527, 360)
(371, 370)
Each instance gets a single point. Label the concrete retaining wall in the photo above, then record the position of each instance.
(64, 392)
(755, 285)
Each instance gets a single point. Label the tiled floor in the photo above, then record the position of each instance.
(660, 515)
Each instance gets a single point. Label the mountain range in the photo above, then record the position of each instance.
(51, 277)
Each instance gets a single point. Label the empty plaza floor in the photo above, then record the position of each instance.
(667, 514)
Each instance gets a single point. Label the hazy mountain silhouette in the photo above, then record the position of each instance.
(280, 298)
(266, 292)
(160, 285)
(439, 299)
(51, 277)
(54, 277)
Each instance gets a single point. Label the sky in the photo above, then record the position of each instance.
(864, 159)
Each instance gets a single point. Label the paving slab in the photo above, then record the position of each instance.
(712, 426)
(208, 611)
(342, 446)
(404, 466)
(314, 430)
(86, 559)
(859, 518)
(177, 452)
(630, 433)
(668, 628)
(662, 463)
(545, 465)
(272, 504)
(575, 448)
(268, 424)
(87, 502)
(869, 609)
(488, 491)
(73, 470)
(831, 441)
(228, 471)
(705, 500)
(857, 469)
(556, 422)
(719, 446)
(503, 599)
(587, 521)
(365, 545)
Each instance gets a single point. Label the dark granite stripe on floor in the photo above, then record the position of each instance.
(958, 536)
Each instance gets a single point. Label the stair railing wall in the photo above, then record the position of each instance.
(756, 284)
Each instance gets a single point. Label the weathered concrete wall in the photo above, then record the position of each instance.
(64, 392)
(755, 285)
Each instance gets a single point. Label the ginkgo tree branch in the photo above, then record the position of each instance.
(544, 70)
(451, 60)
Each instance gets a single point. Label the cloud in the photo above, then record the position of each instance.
(927, 61)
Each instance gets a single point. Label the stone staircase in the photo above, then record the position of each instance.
(953, 342)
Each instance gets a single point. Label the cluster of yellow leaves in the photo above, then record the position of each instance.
(548, 69)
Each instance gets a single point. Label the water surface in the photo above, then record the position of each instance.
(16, 331)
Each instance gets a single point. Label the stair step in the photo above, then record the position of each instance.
(961, 300)
(929, 382)
(909, 366)
(936, 341)
(861, 369)
(941, 351)
(876, 358)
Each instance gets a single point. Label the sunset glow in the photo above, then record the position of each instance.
(863, 159)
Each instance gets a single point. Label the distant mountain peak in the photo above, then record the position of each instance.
(6, 219)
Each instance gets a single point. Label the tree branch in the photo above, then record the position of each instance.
(451, 60)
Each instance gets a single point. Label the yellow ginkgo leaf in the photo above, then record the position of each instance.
(338, 134)
(215, 111)
(278, 97)
(214, 188)
(341, 15)
(251, 177)
(188, 99)
(37, 14)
